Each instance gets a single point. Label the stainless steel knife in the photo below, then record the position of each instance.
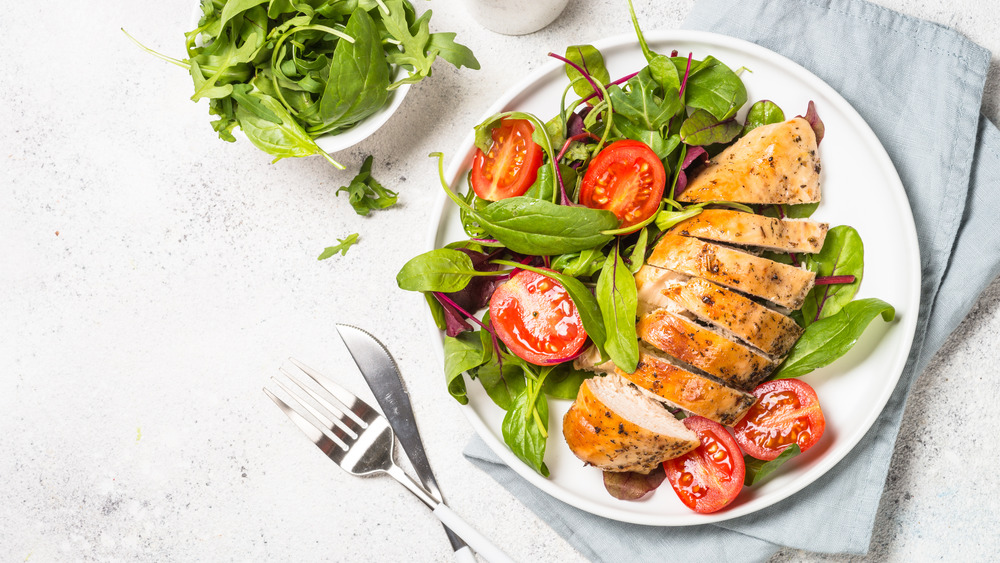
(380, 371)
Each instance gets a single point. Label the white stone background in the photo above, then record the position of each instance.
(154, 277)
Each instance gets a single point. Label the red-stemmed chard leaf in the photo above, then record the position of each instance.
(814, 121)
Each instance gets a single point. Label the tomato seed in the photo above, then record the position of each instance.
(686, 479)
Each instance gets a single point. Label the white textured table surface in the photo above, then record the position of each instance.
(154, 277)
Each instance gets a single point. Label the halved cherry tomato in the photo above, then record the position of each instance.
(536, 319)
(511, 165)
(626, 178)
(710, 476)
(786, 412)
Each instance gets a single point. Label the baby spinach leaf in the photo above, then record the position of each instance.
(617, 296)
(764, 112)
(715, 88)
(830, 338)
(581, 264)
(503, 383)
(344, 244)
(843, 254)
(639, 103)
(444, 269)
(638, 256)
(358, 76)
(437, 311)
(564, 381)
(758, 469)
(590, 60)
(462, 353)
(365, 193)
(702, 128)
(280, 140)
(525, 428)
(536, 227)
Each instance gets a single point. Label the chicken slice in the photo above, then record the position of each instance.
(686, 390)
(778, 283)
(751, 322)
(617, 426)
(735, 364)
(775, 163)
(749, 229)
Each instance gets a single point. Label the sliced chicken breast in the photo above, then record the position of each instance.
(775, 163)
(761, 327)
(684, 389)
(616, 426)
(749, 229)
(735, 364)
(778, 283)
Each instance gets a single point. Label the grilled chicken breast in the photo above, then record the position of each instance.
(684, 389)
(735, 364)
(778, 283)
(761, 327)
(748, 229)
(616, 426)
(775, 163)
(677, 387)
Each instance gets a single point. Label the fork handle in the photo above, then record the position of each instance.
(478, 542)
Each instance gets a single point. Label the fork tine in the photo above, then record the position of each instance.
(361, 411)
(331, 447)
(328, 415)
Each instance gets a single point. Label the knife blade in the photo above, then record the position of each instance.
(380, 371)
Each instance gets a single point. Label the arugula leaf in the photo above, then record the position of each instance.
(342, 247)
(581, 264)
(280, 140)
(758, 469)
(830, 338)
(417, 47)
(365, 193)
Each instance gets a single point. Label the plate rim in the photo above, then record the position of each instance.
(909, 322)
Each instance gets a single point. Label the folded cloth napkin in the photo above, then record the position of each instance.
(919, 86)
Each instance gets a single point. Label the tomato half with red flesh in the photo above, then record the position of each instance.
(787, 412)
(534, 316)
(626, 178)
(510, 167)
(710, 476)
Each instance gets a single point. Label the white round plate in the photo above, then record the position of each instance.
(860, 188)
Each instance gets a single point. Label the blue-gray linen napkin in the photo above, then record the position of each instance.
(919, 86)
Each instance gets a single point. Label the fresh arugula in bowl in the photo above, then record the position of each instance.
(287, 72)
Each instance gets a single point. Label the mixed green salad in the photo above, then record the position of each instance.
(288, 71)
(548, 225)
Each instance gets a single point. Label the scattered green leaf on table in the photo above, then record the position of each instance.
(365, 193)
(342, 247)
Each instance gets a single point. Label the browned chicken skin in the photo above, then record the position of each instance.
(778, 283)
(749, 229)
(775, 163)
(751, 322)
(616, 426)
(681, 338)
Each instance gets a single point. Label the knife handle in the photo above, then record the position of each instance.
(464, 555)
(478, 542)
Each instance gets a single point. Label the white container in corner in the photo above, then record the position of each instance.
(515, 17)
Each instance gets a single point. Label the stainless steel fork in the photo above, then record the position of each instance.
(360, 440)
